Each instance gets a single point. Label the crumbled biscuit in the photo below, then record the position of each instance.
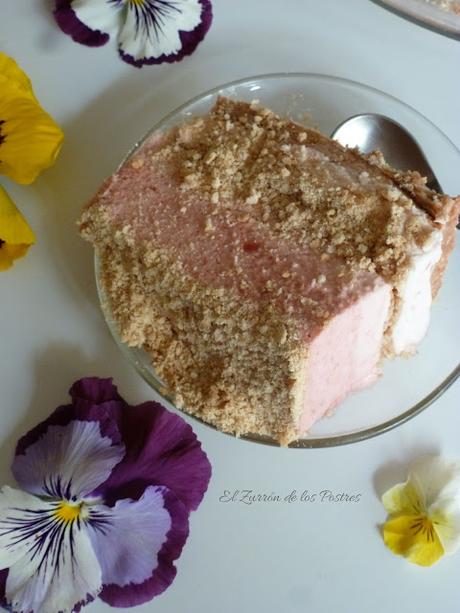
(137, 163)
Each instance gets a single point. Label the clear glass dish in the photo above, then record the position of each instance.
(408, 386)
(426, 14)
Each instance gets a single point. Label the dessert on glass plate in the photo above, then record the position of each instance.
(267, 270)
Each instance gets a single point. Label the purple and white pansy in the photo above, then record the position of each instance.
(147, 31)
(106, 492)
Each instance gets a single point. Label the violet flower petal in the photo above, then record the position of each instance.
(156, 32)
(164, 452)
(94, 390)
(93, 399)
(69, 23)
(3, 578)
(137, 545)
(67, 462)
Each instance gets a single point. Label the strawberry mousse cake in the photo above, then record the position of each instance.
(265, 268)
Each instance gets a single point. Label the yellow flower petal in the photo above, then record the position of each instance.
(15, 234)
(9, 253)
(445, 516)
(435, 477)
(11, 71)
(29, 139)
(403, 498)
(413, 537)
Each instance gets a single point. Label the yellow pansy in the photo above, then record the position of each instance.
(15, 234)
(424, 512)
(29, 138)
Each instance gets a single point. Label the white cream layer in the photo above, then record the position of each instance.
(415, 295)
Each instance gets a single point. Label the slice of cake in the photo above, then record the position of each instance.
(265, 268)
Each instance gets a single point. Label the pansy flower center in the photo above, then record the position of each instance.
(68, 513)
(424, 525)
(2, 136)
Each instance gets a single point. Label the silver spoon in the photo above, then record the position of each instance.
(370, 131)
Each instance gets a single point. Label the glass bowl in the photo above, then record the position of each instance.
(425, 14)
(408, 386)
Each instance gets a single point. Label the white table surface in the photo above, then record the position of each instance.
(265, 557)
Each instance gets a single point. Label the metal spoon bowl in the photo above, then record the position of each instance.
(371, 131)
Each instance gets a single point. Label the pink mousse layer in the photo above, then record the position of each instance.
(228, 247)
(345, 356)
